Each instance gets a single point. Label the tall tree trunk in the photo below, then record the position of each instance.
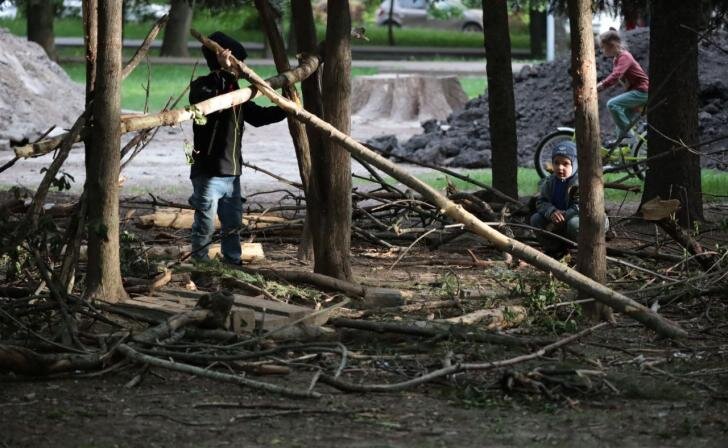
(40, 14)
(332, 224)
(305, 36)
(390, 24)
(592, 257)
(537, 32)
(501, 104)
(297, 129)
(178, 26)
(674, 80)
(103, 280)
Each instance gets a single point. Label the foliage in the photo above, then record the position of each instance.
(542, 300)
(133, 256)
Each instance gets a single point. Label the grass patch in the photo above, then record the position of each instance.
(473, 85)
(168, 81)
(714, 183)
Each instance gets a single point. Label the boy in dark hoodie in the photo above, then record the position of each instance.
(557, 205)
(217, 154)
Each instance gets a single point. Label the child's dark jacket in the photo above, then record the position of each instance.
(217, 143)
(545, 202)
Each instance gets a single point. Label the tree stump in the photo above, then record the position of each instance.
(406, 97)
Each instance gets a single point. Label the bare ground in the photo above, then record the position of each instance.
(651, 392)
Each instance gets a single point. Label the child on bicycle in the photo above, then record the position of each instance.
(557, 205)
(630, 74)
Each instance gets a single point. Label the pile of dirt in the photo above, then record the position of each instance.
(544, 101)
(35, 92)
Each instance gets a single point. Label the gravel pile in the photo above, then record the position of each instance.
(35, 92)
(544, 101)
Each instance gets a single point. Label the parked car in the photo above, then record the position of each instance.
(449, 14)
(136, 11)
(7, 10)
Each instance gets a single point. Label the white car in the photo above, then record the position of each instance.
(450, 14)
(7, 10)
(135, 11)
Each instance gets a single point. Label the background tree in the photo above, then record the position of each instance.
(40, 15)
(501, 103)
(304, 28)
(331, 224)
(673, 106)
(592, 256)
(177, 30)
(270, 17)
(103, 279)
(537, 29)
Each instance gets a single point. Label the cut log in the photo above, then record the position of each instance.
(246, 314)
(498, 319)
(251, 252)
(183, 219)
(406, 97)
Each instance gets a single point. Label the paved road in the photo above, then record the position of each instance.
(459, 68)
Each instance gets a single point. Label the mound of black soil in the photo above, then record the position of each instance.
(544, 101)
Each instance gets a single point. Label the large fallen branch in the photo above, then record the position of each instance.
(452, 369)
(579, 281)
(129, 123)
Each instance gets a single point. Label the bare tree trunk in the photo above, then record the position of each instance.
(537, 31)
(390, 24)
(297, 129)
(178, 26)
(305, 31)
(40, 14)
(674, 80)
(501, 103)
(332, 224)
(103, 280)
(592, 257)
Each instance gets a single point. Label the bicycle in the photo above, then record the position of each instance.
(616, 159)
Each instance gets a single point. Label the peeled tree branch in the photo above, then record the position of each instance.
(616, 300)
(130, 123)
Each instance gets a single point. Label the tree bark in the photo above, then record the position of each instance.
(103, 280)
(674, 80)
(304, 28)
(592, 257)
(332, 224)
(297, 129)
(178, 26)
(471, 223)
(501, 103)
(537, 32)
(40, 14)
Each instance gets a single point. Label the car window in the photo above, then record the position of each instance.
(413, 4)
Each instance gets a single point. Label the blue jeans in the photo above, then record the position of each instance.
(219, 195)
(622, 107)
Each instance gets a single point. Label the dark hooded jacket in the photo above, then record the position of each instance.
(217, 143)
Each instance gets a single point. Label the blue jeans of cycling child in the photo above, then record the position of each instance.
(221, 196)
(622, 107)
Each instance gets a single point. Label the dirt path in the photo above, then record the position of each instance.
(161, 167)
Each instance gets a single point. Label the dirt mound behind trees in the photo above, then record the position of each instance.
(544, 101)
(35, 92)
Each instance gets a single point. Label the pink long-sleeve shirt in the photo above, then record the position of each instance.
(627, 69)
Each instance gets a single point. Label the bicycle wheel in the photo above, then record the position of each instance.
(542, 157)
(639, 153)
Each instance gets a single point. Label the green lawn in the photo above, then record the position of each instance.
(714, 183)
(170, 80)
